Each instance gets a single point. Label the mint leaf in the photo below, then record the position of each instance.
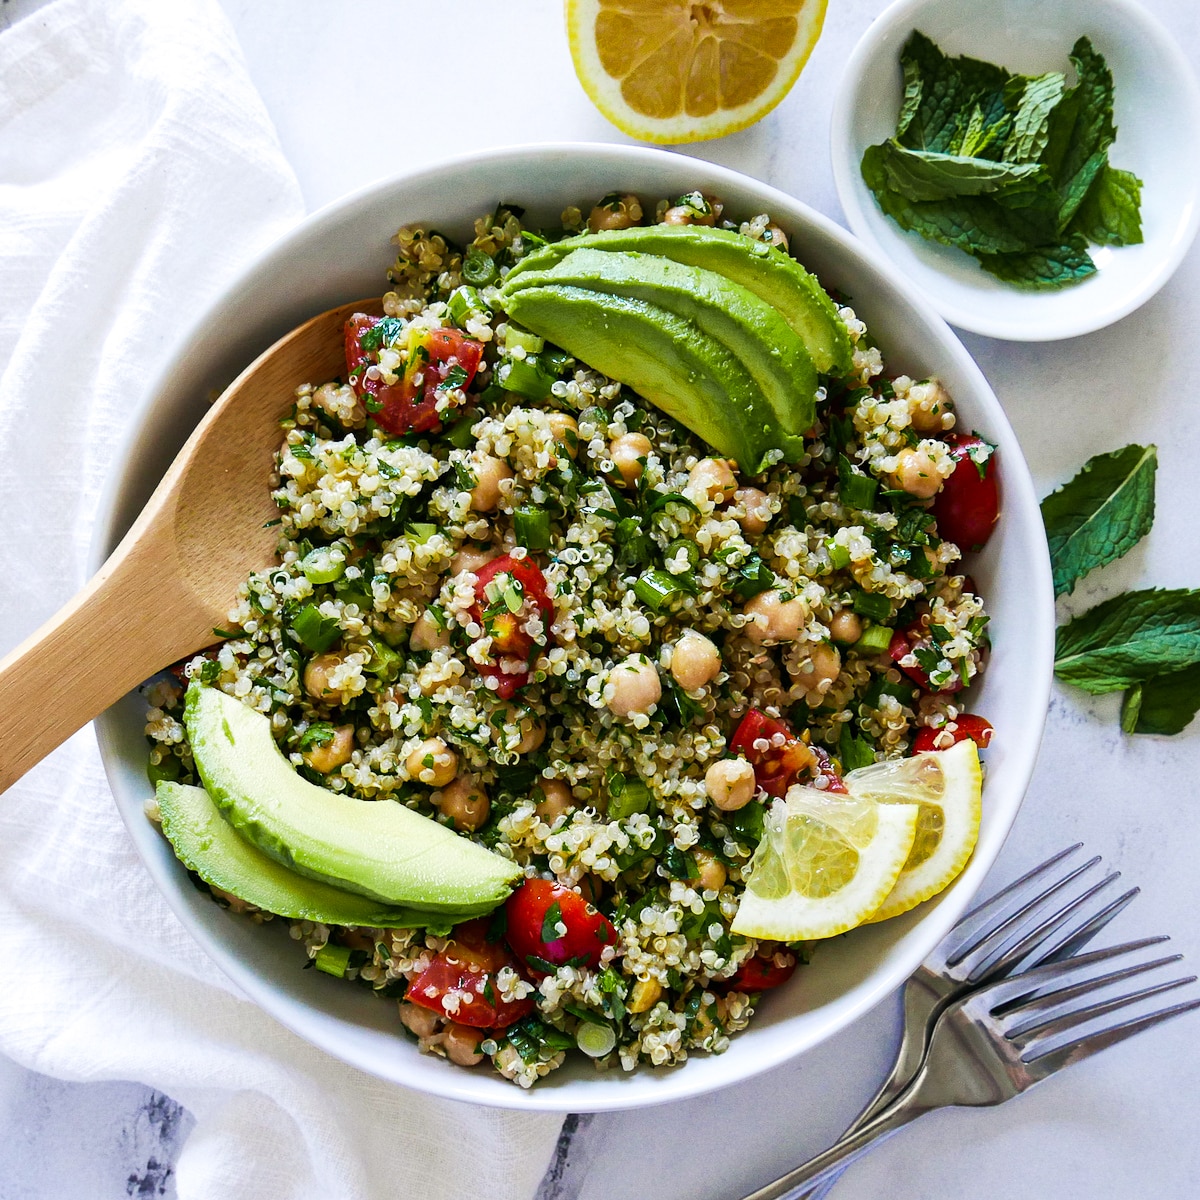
(1111, 211)
(1165, 704)
(1036, 99)
(925, 175)
(1129, 639)
(1042, 267)
(1086, 149)
(1101, 514)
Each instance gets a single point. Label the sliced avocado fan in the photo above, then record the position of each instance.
(672, 362)
(748, 327)
(207, 844)
(377, 848)
(768, 272)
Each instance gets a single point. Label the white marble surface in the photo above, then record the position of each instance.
(349, 88)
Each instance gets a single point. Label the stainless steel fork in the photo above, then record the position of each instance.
(1001, 1039)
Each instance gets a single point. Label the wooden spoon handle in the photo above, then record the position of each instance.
(104, 642)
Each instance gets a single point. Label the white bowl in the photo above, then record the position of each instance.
(340, 254)
(1157, 108)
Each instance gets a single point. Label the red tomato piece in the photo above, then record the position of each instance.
(513, 647)
(966, 726)
(777, 767)
(438, 359)
(910, 641)
(833, 781)
(465, 972)
(538, 908)
(758, 974)
(968, 505)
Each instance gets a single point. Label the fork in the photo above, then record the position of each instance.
(991, 941)
(999, 1040)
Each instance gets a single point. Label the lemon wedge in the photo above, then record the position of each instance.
(825, 863)
(947, 787)
(685, 70)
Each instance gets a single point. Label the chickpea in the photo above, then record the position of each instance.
(693, 213)
(710, 871)
(819, 670)
(930, 406)
(428, 634)
(531, 732)
(471, 558)
(774, 618)
(633, 686)
(465, 801)
(777, 237)
(756, 510)
(628, 453)
(730, 783)
(331, 754)
(616, 211)
(714, 478)
(694, 661)
(916, 474)
(565, 430)
(316, 678)
(557, 798)
(644, 995)
(356, 939)
(432, 762)
(846, 627)
(416, 1019)
(490, 472)
(462, 1044)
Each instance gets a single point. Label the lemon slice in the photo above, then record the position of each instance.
(684, 70)
(825, 863)
(947, 787)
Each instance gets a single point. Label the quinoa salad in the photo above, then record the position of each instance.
(554, 620)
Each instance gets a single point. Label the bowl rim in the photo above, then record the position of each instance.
(675, 1084)
(856, 200)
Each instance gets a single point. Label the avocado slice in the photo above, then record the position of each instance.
(748, 327)
(768, 272)
(207, 844)
(377, 848)
(667, 359)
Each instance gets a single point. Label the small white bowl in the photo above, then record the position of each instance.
(340, 254)
(1157, 109)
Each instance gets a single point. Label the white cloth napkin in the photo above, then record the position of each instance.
(138, 172)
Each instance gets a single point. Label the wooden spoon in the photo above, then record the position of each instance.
(176, 573)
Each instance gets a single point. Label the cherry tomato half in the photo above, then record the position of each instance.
(968, 505)
(438, 360)
(777, 767)
(967, 725)
(914, 641)
(465, 972)
(520, 586)
(536, 913)
(759, 973)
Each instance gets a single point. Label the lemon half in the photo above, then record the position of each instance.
(686, 70)
(825, 863)
(947, 788)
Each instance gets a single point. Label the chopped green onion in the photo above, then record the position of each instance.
(355, 591)
(529, 342)
(513, 596)
(525, 376)
(531, 524)
(875, 639)
(419, 532)
(384, 661)
(839, 555)
(595, 1040)
(462, 433)
(478, 268)
(626, 797)
(873, 605)
(690, 551)
(463, 302)
(316, 631)
(857, 490)
(333, 960)
(657, 589)
(322, 565)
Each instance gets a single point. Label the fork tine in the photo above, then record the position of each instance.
(1053, 1060)
(1088, 930)
(1022, 944)
(1003, 991)
(1051, 1027)
(980, 927)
